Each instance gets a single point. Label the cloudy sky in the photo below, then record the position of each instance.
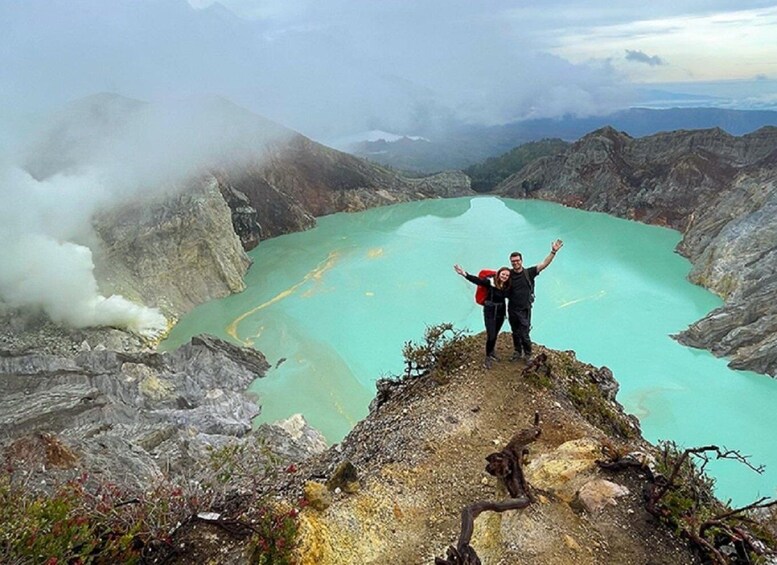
(327, 68)
(330, 68)
(674, 40)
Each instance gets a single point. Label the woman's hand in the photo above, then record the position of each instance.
(459, 270)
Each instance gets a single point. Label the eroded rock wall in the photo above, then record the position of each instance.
(174, 252)
(297, 180)
(717, 189)
(130, 417)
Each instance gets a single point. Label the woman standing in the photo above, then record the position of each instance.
(494, 306)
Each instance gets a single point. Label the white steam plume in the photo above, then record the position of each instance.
(41, 267)
(59, 278)
(96, 154)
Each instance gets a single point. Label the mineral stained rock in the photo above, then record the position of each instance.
(719, 190)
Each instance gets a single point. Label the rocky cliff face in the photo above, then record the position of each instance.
(297, 179)
(174, 252)
(130, 417)
(720, 191)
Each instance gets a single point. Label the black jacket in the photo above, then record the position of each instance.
(495, 295)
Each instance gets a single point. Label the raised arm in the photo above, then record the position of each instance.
(471, 278)
(554, 247)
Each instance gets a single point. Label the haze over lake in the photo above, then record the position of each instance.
(333, 306)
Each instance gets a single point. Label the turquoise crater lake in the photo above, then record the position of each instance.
(331, 308)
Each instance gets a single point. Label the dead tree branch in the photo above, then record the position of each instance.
(507, 466)
(682, 494)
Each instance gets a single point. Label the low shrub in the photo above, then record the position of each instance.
(440, 350)
(82, 520)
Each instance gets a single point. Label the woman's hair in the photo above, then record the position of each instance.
(499, 284)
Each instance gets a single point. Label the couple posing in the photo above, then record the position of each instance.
(512, 291)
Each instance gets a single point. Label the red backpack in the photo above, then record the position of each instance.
(481, 292)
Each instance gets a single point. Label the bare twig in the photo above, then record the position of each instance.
(728, 526)
(507, 466)
(469, 513)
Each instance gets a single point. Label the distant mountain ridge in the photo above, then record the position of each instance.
(463, 146)
(488, 174)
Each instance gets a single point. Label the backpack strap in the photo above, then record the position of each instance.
(530, 282)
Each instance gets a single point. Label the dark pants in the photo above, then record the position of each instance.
(520, 324)
(494, 317)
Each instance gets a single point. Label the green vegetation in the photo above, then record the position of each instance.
(83, 520)
(539, 377)
(77, 523)
(439, 350)
(275, 534)
(691, 491)
(595, 408)
(485, 176)
(579, 383)
(682, 496)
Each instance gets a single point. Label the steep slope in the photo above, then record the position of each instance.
(719, 190)
(174, 252)
(131, 416)
(395, 486)
(419, 457)
(488, 174)
(297, 179)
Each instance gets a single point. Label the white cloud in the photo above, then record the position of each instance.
(728, 45)
(331, 67)
(327, 68)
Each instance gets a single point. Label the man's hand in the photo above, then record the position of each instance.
(554, 247)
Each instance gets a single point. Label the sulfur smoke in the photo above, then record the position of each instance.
(42, 263)
(79, 165)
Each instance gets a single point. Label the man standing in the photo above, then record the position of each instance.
(521, 297)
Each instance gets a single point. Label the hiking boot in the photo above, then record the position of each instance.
(489, 362)
(493, 356)
(517, 356)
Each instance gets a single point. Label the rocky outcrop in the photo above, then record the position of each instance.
(24, 331)
(297, 179)
(720, 191)
(245, 219)
(129, 417)
(173, 253)
(277, 213)
(419, 458)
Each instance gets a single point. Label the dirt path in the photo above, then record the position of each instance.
(422, 459)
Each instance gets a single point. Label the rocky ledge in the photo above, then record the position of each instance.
(132, 417)
(394, 489)
(719, 190)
